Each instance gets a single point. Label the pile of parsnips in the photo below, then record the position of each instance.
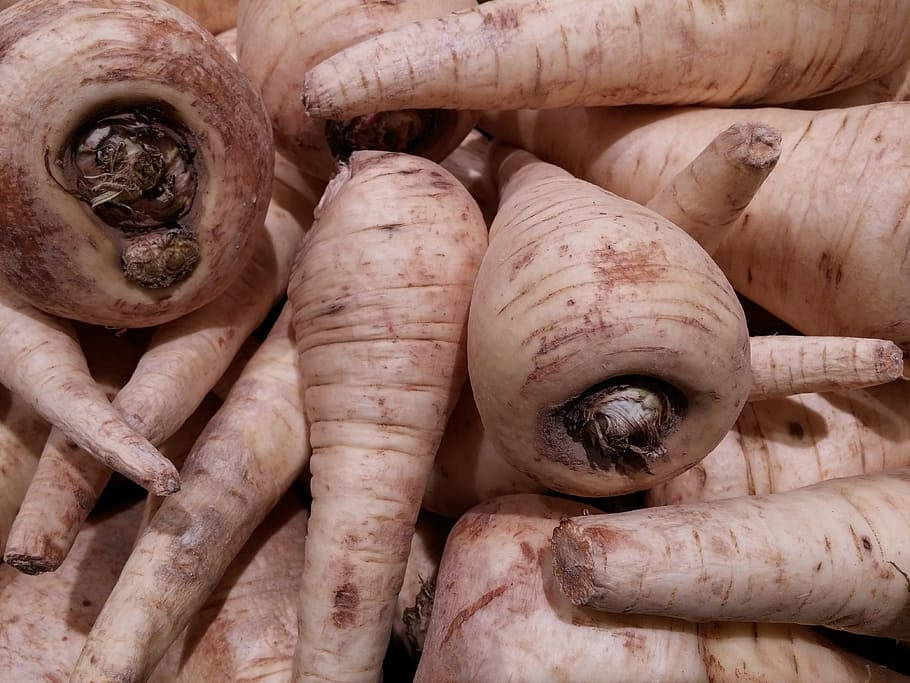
(257, 288)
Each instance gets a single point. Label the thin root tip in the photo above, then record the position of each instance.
(30, 564)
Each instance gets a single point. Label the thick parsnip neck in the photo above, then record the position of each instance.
(134, 167)
(623, 422)
(409, 131)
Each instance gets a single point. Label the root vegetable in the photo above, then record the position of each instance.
(22, 436)
(247, 629)
(821, 235)
(783, 365)
(785, 444)
(131, 199)
(184, 360)
(709, 194)
(44, 619)
(279, 41)
(510, 54)
(835, 554)
(41, 360)
(238, 470)
(498, 613)
(380, 291)
(469, 164)
(606, 350)
(894, 87)
(215, 15)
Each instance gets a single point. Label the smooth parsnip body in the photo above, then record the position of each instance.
(606, 350)
(813, 248)
(380, 290)
(279, 41)
(835, 554)
(540, 54)
(136, 200)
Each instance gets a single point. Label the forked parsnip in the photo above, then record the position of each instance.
(606, 350)
(22, 436)
(279, 41)
(41, 361)
(509, 54)
(247, 629)
(380, 291)
(44, 619)
(136, 200)
(184, 360)
(833, 554)
(709, 194)
(785, 444)
(498, 614)
(823, 250)
(241, 465)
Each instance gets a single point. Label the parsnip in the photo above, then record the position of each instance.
(893, 87)
(498, 614)
(832, 554)
(215, 15)
(812, 247)
(469, 164)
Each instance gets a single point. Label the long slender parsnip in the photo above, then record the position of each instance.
(499, 615)
(823, 250)
(832, 554)
(509, 54)
(381, 291)
(242, 464)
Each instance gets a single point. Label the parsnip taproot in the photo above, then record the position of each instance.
(498, 614)
(831, 554)
(44, 619)
(244, 461)
(469, 163)
(606, 350)
(825, 237)
(247, 629)
(380, 291)
(129, 200)
(22, 436)
(893, 87)
(785, 444)
(215, 15)
(184, 360)
(540, 54)
(279, 41)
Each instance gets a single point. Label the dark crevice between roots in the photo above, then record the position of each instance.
(417, 618)
(409, 131)
(621, 423)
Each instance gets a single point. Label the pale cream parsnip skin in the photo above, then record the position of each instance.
(510, 54)
(893, 87)
(122, 212)
(215, 15)
(381, 290)
(606, 350)
(815, 250)
(279, 41)
(785, 444)
(831, 554)
(498, 613)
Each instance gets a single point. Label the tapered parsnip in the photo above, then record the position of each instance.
(499, 615)
(783, 365)
(510, 54)
(247, 629)
(469, 163)
(785, 444)
(135, 200)
(244, 461)
(279, 41)
(893, 87)
(215, 15)
(833, 554)
(44, 619)
(709, 194)
(40, 359)
(812, 247)
(380, 290)
(22, 436)
(606, 350)
(184, 360)
(415, 600)
(468, 469)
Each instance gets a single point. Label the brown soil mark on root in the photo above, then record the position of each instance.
(471, 610)
(347, 599)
